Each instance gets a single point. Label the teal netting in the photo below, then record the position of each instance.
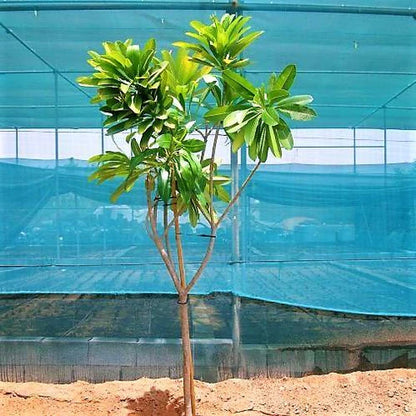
(311, 236)
(336, 237)
(357, 58)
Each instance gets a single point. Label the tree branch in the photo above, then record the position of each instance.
(178, 240)
(211, 177)
(238, 193)
(204, 262)
(205, 136)
(211, 244)
(166, 227)
(158, 242)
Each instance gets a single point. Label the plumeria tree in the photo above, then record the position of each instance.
(162, 100)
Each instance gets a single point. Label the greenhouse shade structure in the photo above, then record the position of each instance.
(356, 58)
(343, 233)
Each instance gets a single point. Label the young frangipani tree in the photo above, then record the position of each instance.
(162, 100)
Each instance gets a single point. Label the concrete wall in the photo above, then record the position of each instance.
(63, 360)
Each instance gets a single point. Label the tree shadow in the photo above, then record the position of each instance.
(156, 403)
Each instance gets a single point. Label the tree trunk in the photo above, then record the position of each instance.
(236, 337)
(188, 370)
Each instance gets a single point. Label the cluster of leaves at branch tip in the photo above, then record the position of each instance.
(162, 100)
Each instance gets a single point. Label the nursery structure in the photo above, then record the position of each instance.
(313, 272)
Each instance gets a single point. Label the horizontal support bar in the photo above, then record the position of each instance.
(247, 71)
(34, 106)
(338, 147)
(331, 72)
(205, 5)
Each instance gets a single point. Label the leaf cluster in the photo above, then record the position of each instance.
(255, 116)
(220, 44)
(151, 96)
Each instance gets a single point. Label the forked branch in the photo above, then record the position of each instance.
(158, 242)
(214, 227)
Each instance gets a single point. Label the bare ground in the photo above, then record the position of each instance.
(389, 392)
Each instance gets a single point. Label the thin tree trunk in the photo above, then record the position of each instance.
(236, 336)
(187, 356)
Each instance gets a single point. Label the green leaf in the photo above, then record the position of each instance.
(236, 117)
(221, 180)
(165, 140)
(237, 140)
(277, 95)
(252, 150)
(284, 135)
(135, 147)
(123, 126)
(164, 188)
(118, 192)
(194, 145)
(150, 45)
(298, 112)
(130, 136)
(222, 194)
(244, 42)
(88, 81)
(124, 88)
(296, 99)
(270, 116)
(95, 158)
(144, 140)
(217, 114)
(263, 146)
(187, 45)
(241, 85)
(210, 79)
(147, 155)
(135, 104)
(193, 215)
(285, 79)
(273, 142)
(250, 130)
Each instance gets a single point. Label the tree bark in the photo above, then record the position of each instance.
(188, 391)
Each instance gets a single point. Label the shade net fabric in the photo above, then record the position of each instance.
(357, 58)
(325, 237)
(337, 237)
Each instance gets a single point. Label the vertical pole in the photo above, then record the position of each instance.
(236, 254)
(385, 139)
(57, 216)
(16, 140)
(78, 251)
(355, 148)
(104, 245)
(235, 223)
(102, 139)
(244, 215)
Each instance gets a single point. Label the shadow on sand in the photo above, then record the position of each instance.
(156, 403)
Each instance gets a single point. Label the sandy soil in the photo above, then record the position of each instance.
(390, 392)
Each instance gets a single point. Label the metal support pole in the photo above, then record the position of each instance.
(205, 5)
(354, 135)
(385, 139)
(102, 140)
(236, 307)
(244, 214)
(234, 8)
(58, 203)
(16, 140)
(56, 118)
(235, 223)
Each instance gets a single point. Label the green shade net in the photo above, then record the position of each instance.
(338, 238)
(355, 64)
(312, 236)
